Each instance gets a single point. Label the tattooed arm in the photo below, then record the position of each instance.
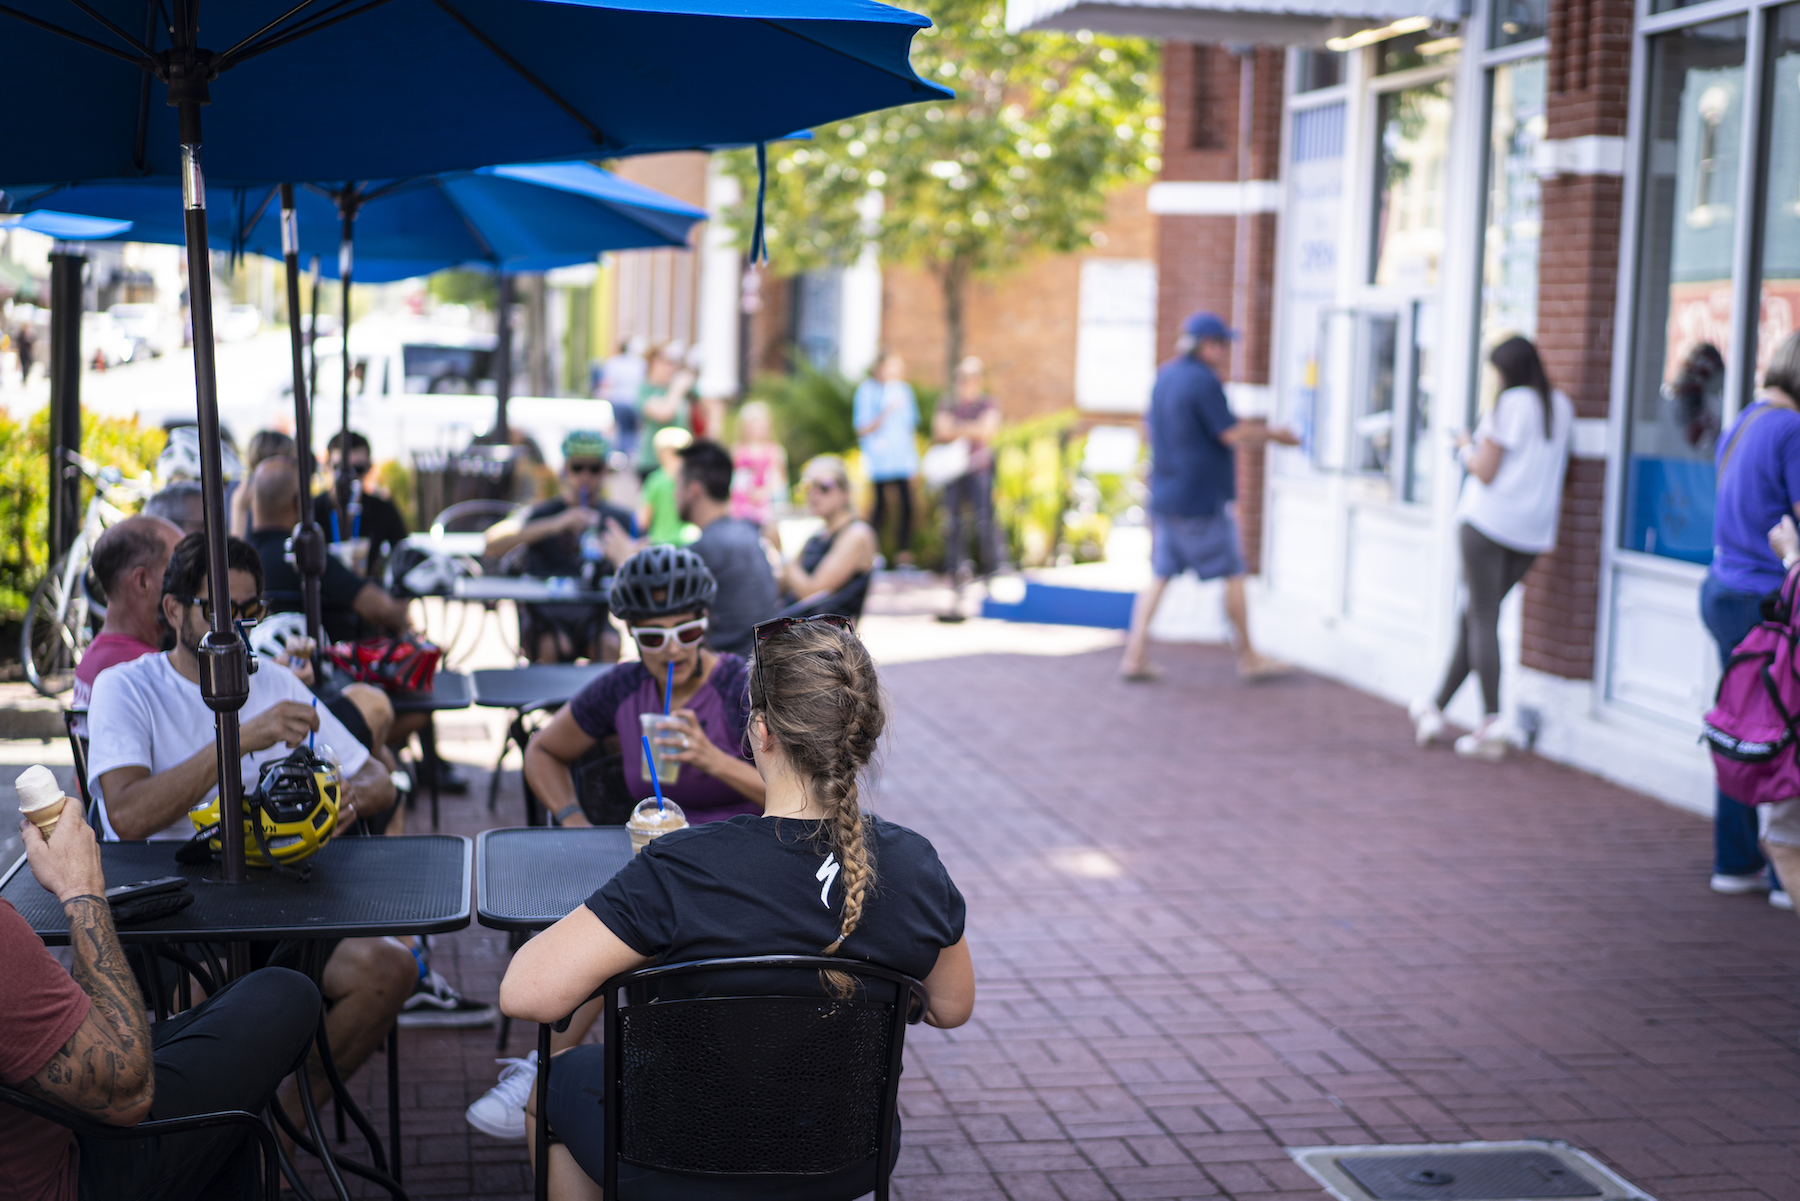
(104, 1072)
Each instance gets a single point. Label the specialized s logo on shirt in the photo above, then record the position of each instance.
(828, 872)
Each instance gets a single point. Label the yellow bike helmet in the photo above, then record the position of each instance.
(296, 807)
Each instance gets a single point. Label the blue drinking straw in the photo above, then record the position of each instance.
(334, 527)
(668, 687)
(312, 735)
(650, 759)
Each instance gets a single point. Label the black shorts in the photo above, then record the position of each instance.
(578, 1121)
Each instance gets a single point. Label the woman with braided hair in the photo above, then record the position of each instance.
(814, 873)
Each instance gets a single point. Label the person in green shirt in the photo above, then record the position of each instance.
(663, 403)
(659, 515)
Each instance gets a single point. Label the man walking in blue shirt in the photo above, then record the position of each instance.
(1193, 483)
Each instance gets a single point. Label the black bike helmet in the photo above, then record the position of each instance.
(660, 580)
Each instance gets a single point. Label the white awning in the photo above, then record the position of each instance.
(1256, 22)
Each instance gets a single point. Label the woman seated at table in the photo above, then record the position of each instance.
(831, 574)
(816, 715)
(661, 594)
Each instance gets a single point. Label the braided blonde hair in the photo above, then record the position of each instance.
(825, 707)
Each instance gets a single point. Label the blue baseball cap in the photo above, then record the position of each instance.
(1204, 325)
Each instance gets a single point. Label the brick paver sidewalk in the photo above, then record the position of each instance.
(1212, 920)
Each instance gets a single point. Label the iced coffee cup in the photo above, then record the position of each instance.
(41, 798)
(651, 820)
(657, 729)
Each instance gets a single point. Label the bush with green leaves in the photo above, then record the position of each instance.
(25, 492)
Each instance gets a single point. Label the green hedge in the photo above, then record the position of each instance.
(25, 487)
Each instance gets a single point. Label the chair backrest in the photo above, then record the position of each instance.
(848, 600)
(599, 779)
(271, 1182)
(765, 1075)
(471, 516)
(75, 722)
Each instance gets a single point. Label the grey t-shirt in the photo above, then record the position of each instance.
(732, 551)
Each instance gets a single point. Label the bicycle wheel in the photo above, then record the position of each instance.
(56, 632)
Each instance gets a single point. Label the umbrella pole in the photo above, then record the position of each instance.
(503, 305)
(346, 255)
(224, 661)
(309, 543)
(312, 335)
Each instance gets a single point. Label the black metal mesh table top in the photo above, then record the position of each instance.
(449, 690)
(533, 876)
(418, 884)
(541, 684)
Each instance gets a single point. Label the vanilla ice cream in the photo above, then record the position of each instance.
(40, 797)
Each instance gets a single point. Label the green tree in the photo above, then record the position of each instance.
(1042, 126)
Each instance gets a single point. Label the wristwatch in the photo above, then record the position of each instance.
(563, 814)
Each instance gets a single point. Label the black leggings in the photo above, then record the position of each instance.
(229, 1052)
(1489, 570)
(903, 531)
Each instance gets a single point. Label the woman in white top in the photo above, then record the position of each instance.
(1507, 517)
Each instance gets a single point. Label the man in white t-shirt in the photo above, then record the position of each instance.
(151, 758)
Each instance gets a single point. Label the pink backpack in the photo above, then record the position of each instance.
(1753, 730)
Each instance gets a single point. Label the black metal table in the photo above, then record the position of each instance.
(449, 690)
(359, 888)
(528, 878)
(530, 590)
(527, 690)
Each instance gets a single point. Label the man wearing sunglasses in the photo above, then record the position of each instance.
(151, 758)
(379, 520)
(559, 536)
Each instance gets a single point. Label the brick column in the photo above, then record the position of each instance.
(1196, 251)
(1578, 260)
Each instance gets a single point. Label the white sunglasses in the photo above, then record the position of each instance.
(654, 638)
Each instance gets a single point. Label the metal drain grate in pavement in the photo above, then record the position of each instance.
(1533, 1170)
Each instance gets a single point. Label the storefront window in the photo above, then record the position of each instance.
(1318, 70)
(1779, 313)
(1413, 127)
(1509, 247)
(1682, 328)
(1518, 21)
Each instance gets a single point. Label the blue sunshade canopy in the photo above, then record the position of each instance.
(528, 217)
(70, 227)
(416, 87)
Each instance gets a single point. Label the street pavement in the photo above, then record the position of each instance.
(1213, 920)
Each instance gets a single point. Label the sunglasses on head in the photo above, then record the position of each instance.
(654, 638)
(762, 631)
(254, 609)
(585, 468)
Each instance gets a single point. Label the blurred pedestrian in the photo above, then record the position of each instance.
(182, 504)
(759, 477)
(973, 420)
(1507, 517)
(663, 401)
(1194, 438)
(620, 378)
(1758, 461)
(27, 351)
(659, 515)
(561, 536)
(886, 415)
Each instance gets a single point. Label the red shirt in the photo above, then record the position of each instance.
(102, 653)
(43, 1007)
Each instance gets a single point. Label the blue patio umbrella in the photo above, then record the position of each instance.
(382, 89)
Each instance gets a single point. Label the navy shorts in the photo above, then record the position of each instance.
(1207, 546)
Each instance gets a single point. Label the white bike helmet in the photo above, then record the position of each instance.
(180, 459)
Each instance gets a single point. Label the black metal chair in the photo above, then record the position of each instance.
(271, 1189)
(847, 601)
(780, 1085)
(75, 722)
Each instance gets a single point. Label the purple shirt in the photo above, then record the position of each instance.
(611, 705)
(1759, 484)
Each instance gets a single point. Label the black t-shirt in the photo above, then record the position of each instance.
(762, 886)
(561, 555)
(281, 586)
(381, 522)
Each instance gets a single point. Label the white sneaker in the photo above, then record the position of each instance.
(1427, 720)
(1737, 886)
(500, 1113)
(1489, 743)
(1780, 899)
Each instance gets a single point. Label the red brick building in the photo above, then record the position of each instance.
(1377, 194)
